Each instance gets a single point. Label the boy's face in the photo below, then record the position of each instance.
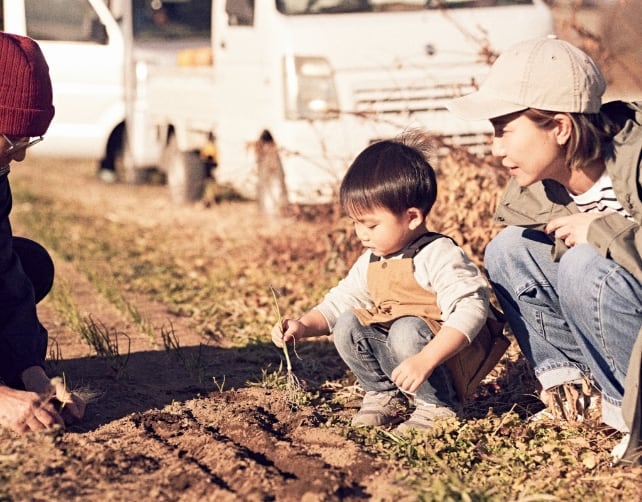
(384, 232)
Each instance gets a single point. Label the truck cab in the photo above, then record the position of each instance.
(322, 79)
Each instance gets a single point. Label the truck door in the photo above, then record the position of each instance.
(243, 62)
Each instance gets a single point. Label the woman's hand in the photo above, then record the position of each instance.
(572, 229)
(23, 411)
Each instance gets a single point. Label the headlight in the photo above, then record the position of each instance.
(309, 89)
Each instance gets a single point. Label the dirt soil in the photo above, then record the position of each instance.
(158, 432)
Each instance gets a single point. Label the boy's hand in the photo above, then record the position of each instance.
(411, 373)
(311, 323)
(290, 330)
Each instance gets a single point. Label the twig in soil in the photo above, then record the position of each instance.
(293, 387)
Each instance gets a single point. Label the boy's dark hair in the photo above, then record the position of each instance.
(391, 174)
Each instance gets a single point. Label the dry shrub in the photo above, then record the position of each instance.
(469, 190)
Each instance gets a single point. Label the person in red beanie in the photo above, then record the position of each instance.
(29, 400)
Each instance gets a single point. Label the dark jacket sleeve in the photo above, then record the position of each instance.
(23, 340)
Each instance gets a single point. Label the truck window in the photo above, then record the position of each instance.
(64, 21)
(240, 12)
(171, 19)
(294, 7)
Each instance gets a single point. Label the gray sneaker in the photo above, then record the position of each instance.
(379, 409)
(424, 416)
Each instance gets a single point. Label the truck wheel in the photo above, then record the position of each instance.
(124, 164)
(185, 173)
(271, 190)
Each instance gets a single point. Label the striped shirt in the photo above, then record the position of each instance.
(600, 198)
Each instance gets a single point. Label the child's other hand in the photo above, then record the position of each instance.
(411, 373)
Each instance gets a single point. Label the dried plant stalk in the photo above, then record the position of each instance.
(294, 389)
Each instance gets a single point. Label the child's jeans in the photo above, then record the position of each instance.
(579, 317)
(372, 353)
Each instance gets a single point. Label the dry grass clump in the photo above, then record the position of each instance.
(469, 189)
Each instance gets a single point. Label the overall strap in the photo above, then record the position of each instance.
(415, 246)
(421, 242)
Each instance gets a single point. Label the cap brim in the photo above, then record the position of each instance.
(482, 106)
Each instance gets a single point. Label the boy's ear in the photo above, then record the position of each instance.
(415, 218)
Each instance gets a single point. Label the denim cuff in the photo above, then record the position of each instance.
(558, 376)
(612, 414)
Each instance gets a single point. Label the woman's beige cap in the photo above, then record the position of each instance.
(545, 73)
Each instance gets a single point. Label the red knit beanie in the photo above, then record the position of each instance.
(26, 107)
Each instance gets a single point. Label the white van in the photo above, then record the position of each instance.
(83, 46)
(89, 60)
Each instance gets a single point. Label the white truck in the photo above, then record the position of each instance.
(282, 93)
(299, 87)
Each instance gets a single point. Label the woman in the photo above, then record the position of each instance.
(29, 400)
(567, 270)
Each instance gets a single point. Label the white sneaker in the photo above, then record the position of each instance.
(619, 449)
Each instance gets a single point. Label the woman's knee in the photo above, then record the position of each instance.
(577, 268)
(501, 248)
(516, 252)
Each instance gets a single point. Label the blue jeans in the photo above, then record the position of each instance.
(372, 352)
(578, 317)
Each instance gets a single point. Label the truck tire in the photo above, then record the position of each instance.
(185, 173)
(271, 190)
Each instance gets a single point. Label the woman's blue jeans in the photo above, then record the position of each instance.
(578, 317)
(372, 352)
